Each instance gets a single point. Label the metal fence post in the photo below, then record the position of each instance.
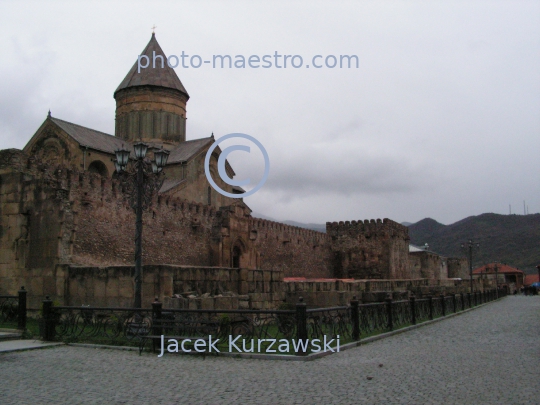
(443, 305)
(430, 301)
(469, 299)
(355, 317)
(454, 303)
(22, 309)
(156, 317)
(412, 302)
(389, 313)
(48, 321)
(301, 324)
(157, 327)
(462, 301)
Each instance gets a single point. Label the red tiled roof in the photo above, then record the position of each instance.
(502, 268)
(530, 278)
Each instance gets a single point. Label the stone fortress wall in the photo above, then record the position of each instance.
(55, 217)
(57, 221)
(369, 249)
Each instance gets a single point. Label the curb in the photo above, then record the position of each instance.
(24, 349)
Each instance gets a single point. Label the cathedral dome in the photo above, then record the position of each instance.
(151, 102)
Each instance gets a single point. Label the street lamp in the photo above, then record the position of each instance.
(142, 181)
(469, 247)
(497, 278)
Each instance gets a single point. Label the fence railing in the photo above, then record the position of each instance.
(347, 323)
(13, 309)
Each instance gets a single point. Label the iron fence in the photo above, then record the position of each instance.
(423, 310)
(330, 322)
(349, 323)
(13, 309)
(401, 314)
(373, 318)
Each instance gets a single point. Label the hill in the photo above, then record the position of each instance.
(314, 227)
(511, 239)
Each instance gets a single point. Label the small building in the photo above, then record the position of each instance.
(505, 275)
(427, 264)
(530, 279)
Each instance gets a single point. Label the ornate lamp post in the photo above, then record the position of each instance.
(142, 180)
(469, 247)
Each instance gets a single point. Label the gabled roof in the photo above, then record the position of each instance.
(159, 76)
(420, 249)
(185, 150)
(169, 184)
(502, 269)
(90, 138)
(101, 141)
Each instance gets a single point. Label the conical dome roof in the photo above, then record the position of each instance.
(158, 76)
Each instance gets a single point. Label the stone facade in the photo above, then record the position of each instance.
(66, 227)
(196, 287)
(458, 267)
(369, 249)
(57, 216)
(428, 265)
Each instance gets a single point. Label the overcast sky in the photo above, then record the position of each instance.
(441, 119)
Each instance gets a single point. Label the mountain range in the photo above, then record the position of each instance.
(511, 239)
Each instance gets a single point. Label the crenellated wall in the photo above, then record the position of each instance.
(293, 250)
(174, 231)
(369, 249)
(55, 218)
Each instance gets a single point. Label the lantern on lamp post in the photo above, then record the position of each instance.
(142, 180)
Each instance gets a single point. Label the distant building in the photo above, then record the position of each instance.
(506, 275)
(425, 263)
(530, 279)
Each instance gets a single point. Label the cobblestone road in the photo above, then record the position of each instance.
(488, 356)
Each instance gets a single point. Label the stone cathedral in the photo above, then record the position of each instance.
(150, 107)
(66, 227)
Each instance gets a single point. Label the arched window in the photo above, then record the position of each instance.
(97, 166)
(236, 253)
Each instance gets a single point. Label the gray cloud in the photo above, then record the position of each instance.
(441, 119)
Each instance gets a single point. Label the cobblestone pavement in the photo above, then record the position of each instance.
(487, 356)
